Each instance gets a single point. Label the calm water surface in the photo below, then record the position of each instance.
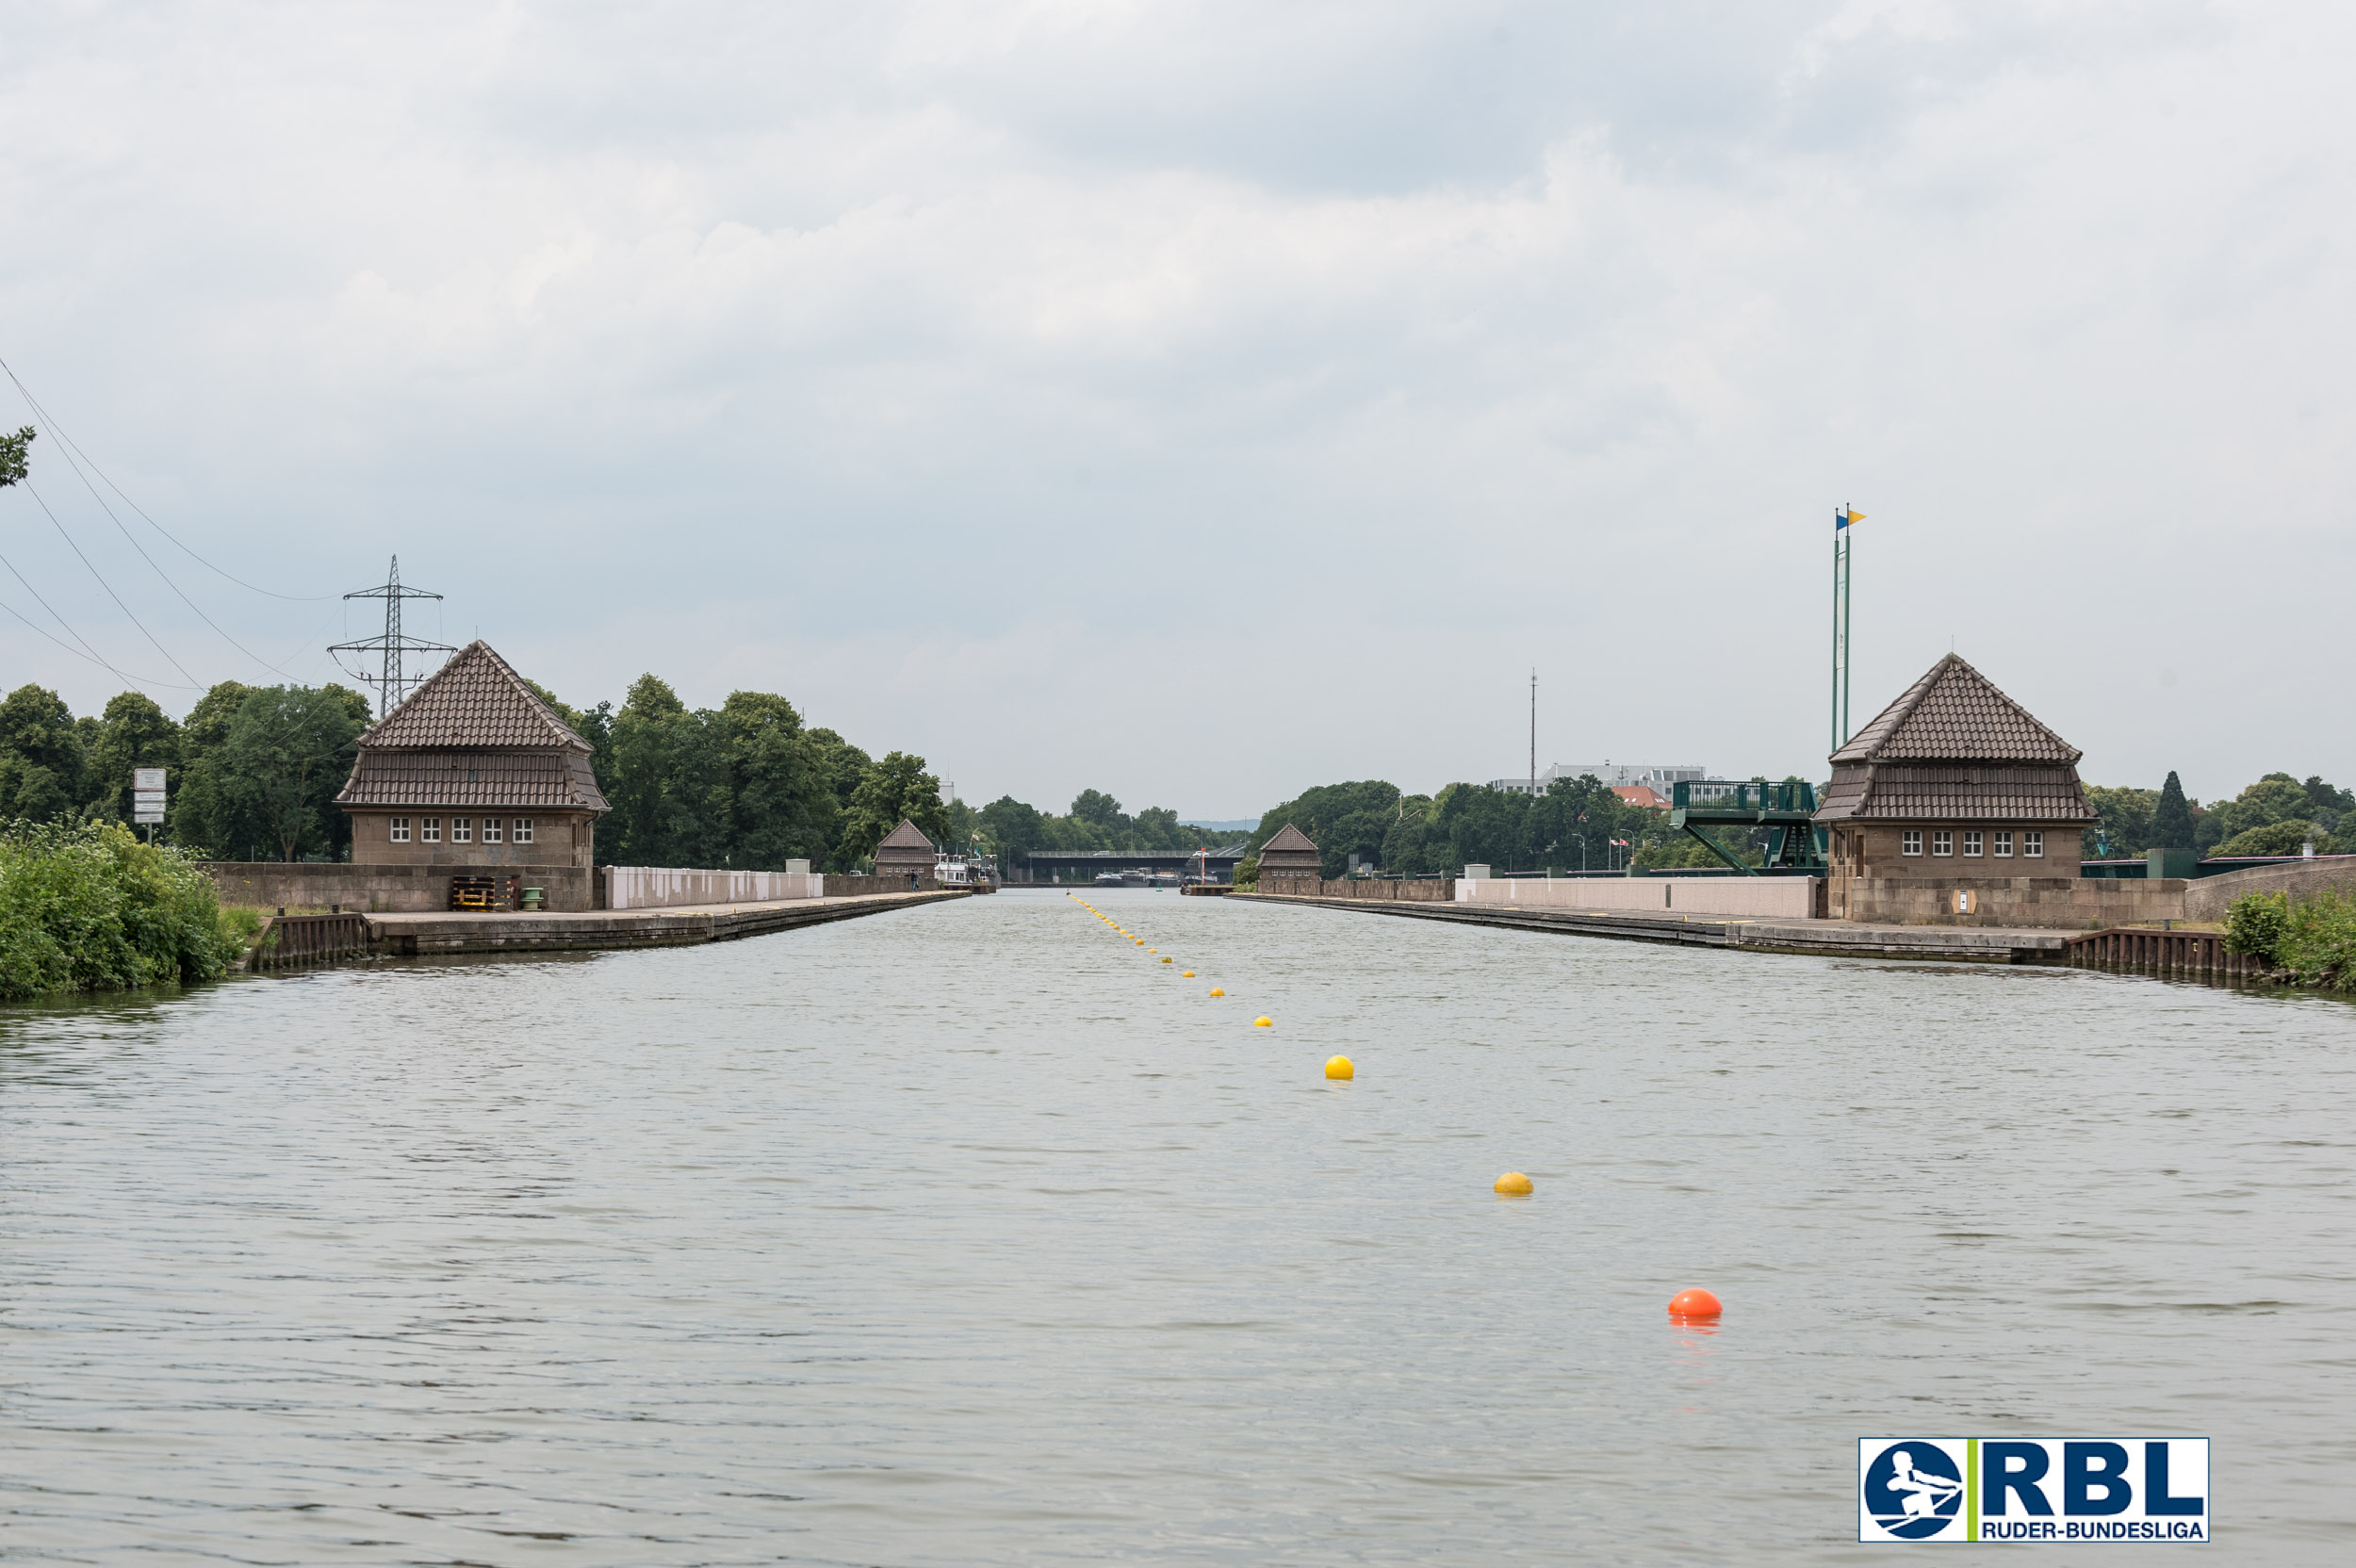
(972, 1234)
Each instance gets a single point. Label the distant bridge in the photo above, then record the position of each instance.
(1045, 863)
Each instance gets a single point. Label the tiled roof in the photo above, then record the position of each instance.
(907, 836)
(474, 700)
(1955, 714)
(1289, 838)
(1916, 792)
(547, 777)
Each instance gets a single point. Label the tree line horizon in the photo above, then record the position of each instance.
(253, 773)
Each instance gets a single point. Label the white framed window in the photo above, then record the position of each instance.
(462, 830)
(1971, 843)
(490, 830)
(522, 833)
(429, 830)
(2003, 846)
(1910, 842)
(400, 830)
(1942, 841)
(2033, 846)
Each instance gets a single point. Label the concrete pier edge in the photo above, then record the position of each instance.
(407, 936)
(1821, 939)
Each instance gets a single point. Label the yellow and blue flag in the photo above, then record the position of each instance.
(1844, 517)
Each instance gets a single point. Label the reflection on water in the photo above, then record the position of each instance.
(973, 1234)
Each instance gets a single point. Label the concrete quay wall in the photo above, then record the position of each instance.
(1750, 897)
(1428, 890)
(381, 888)
(2049, 903)
(1830, 938)
(407, 936)
(665, 887)
(2207, 899)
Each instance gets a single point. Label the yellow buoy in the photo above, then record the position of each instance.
(1514, 1185)
(1215, 991)
(1186, 974)
(1263, 1022)
(1339, 1067)
(1166, 960)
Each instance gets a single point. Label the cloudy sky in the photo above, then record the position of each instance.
(1201, 402)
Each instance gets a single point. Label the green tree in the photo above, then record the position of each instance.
(1010, 827)
(2287, 837)
(895, 788)
(203, 815)
(1101, 811)
(133, 732)
(12, 456)
(41, 757)
(2122, 823)
(2171, 818)
(670, 789)
(780, 805)
(285, 757)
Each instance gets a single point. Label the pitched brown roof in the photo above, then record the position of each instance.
(907, 836)
(546, 778)
(474, 700)
(1922, 792)
(1288, 837)
(1955, 714)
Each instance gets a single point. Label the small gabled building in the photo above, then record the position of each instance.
(1289, 854)
(906, 852)
(473, 771)
(1952, 780)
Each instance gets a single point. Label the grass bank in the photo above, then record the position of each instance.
(88, 907)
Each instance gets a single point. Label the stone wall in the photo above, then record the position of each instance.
(2051, 903)
(1756, 897)
(867, 887)
(665, 888)
(2207, 899)
(381, 889)
(1428, 890)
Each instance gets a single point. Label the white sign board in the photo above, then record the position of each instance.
(144, 816)
(147, 800)
(147, 778)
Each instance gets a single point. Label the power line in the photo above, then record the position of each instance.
(103, 583)
(91, 654)
(110, 511)
(64, 441)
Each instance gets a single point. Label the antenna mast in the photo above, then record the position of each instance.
(391, 681)
(1533, 729)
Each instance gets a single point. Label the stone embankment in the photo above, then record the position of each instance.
(1835, 937)
(420, 935)
(2206, 901)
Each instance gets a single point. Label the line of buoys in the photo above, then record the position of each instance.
(1692, 1306)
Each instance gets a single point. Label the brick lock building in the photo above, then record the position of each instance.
(473, 771)
(1953, 781)
(1290, 854)
(906, 852)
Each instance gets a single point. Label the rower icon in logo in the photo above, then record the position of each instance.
(1913, 1490)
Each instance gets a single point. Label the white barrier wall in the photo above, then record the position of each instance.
(659, 888)
(1756, 897)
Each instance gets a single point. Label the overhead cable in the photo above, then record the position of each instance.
(104, 583)
(65, 441)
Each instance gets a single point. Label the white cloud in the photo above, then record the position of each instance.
(1030, 383)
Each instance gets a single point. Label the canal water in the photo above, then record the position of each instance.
(974, 1234)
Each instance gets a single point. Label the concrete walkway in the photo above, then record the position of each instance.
(411, 935)
(1840, 937)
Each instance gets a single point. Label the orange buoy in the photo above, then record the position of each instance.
(1215, 991)
(1511, 1184)
(1694, 1306)
(1186, 974)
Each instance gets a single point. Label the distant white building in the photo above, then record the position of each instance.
(1654, 775)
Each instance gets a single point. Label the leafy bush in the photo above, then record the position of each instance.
(1248, 871)
(88, 907)
(2255, 926)
(2313, 940)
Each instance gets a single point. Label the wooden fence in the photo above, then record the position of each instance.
(2193, 954)
(292, 940)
